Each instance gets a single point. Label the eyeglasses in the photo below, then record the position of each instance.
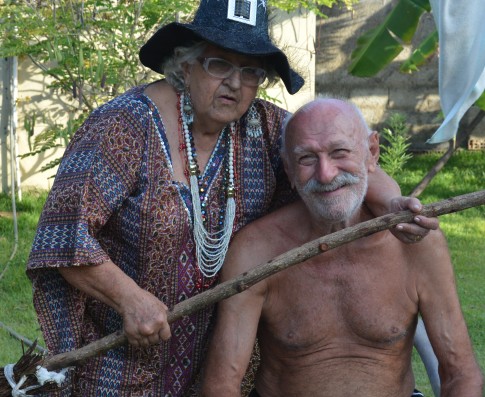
(222, 69)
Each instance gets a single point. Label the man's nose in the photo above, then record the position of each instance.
(326, 170)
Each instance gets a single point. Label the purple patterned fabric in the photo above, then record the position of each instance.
(114, 197)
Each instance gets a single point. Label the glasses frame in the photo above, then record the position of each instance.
(204, 61)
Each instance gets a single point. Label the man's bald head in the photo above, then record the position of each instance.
(324, 112)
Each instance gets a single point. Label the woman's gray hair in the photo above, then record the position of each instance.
(284, 127)
(173, 66)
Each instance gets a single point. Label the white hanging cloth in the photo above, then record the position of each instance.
(461, 30)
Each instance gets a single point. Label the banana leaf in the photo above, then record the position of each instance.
(379, 46)
(480, 102)
(421, 54)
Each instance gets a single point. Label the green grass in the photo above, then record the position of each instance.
(465, 231)
(15, 290)
(464, 173)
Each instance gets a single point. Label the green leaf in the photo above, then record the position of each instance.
(310, 5)
(375, 49)
(480, 102)
(379, 46)
(425, 50)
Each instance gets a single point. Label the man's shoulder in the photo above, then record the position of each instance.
(278, 221)
(270, 235)
(427, 255)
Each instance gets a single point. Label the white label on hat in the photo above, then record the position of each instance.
(242, 11)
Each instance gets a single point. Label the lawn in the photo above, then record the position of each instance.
(464, 173)
(465, 231)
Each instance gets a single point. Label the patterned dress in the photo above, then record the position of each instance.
(114, 197)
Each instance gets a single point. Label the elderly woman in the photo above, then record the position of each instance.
(149, 193)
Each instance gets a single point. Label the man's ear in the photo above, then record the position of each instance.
(373, 151)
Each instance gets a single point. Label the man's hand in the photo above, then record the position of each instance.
(412, 232)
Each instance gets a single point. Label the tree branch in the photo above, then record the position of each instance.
(449, 152)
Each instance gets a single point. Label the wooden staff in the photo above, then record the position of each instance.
(290, 258)
(26, 366)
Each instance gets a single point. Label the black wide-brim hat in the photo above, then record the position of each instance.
(240, 26)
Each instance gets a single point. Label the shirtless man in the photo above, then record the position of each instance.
(341, 323)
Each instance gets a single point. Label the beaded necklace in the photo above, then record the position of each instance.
(211, 247)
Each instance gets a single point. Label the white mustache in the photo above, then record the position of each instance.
(344, 179)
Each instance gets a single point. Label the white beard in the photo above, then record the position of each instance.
(334, 209)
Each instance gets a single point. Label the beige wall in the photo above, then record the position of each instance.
(33, 96)
(414, 95)
(295, 31)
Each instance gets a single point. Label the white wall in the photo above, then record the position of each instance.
(33, 96)
(295, 33)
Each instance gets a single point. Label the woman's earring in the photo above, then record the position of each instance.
(254, 122)
(187, 107)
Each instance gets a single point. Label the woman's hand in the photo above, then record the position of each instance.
(144, 315)
(412, 232)
(145, 319)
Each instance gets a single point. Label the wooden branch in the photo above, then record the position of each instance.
(290, 258)
(22, 338)
(452, 147)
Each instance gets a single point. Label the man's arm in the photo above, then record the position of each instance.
(234, 336)
(440, 308)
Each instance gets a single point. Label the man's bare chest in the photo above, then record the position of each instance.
(345, 300)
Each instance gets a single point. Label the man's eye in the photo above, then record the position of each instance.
(307, 160)
(340, 152)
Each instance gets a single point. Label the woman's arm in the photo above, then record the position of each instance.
(144, 316)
